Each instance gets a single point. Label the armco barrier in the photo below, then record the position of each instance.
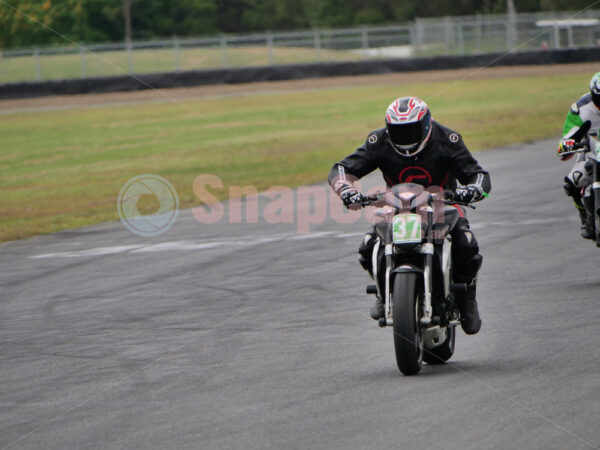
(289, 72)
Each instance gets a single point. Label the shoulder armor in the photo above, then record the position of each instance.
(376, 138)
(449, 135)
(454, 137)
(583, 100)
(575, 108)
(372, 138)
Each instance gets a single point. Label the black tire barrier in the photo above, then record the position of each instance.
(289, 72)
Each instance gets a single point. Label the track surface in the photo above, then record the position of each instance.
(264, 340)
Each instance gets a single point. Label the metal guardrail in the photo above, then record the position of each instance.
(465, 35)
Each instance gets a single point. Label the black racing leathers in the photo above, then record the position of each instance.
(443, 161)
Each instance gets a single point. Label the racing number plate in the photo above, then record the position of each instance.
(407, 228)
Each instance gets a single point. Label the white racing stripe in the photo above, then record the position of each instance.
(244, 241)
(89, 252)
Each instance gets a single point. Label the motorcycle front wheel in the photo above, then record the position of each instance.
(406, 311)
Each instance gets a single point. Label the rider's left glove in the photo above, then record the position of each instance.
(469, 193)
(351, 197)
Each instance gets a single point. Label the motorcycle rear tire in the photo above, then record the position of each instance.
(406, 311)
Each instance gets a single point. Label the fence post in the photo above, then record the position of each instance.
(365, 41)
(478, 34)
(510, 32)
(82, 53)
(570, 36)
(412, 37)
(461, 40)
(270, 47)
(317, 39)
(223, 44)
(176, 49)
(556, 36)
(38, 64)
(129, 48)
(448, 37)
(419, 33)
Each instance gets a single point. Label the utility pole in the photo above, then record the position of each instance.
(512, 23)
(127, 18)
(128, 45)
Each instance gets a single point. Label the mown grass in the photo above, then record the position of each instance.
(75, 65)
(64, 169)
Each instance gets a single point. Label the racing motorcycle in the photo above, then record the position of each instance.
(591, 195)
(412, 269)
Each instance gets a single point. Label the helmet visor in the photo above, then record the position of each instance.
(409, 134)
(596, 99)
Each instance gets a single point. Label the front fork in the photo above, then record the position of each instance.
(427, 249)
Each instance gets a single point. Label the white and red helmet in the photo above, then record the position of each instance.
(408, 122)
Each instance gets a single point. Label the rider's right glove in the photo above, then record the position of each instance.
(469, 193)
(565, 149)
(350, 196)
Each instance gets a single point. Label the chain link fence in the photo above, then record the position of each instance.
(466, 35)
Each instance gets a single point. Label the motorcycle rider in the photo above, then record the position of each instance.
(412, 147)
(583, 121)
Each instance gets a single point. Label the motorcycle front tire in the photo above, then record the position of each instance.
(406, 311)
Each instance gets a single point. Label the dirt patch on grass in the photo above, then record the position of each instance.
(183, 94)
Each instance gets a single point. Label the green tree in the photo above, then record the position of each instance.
(102, 20)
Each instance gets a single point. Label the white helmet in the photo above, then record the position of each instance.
(595, 89)
(408, 122)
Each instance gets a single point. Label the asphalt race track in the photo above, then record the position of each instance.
(253, 336)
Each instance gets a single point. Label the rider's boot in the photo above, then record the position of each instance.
(469, 313)
(378, 309)
(366, 251)
(587, 224)
(587, 227)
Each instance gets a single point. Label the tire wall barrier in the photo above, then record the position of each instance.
(289, 72)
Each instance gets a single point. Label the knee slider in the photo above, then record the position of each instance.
(570, 189)
(366, 246)
(474, 264)
(466, 245)
(467, 272)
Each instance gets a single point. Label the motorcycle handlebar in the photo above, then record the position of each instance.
(581, 147)
(370, 199)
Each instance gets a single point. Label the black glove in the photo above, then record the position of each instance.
(469, 193)
(350, 196)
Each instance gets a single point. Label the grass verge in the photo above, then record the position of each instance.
(64, 169)
(75, 65)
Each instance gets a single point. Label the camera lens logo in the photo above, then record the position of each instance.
(149, 224)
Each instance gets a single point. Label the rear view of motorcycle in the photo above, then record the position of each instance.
(412, 269)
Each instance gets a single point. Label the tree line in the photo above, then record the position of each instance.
(42, 22)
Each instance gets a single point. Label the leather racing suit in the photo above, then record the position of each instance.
(444, 161)
(582, 122)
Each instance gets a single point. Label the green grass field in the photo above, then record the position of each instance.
(64, 169)
(75, 65)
